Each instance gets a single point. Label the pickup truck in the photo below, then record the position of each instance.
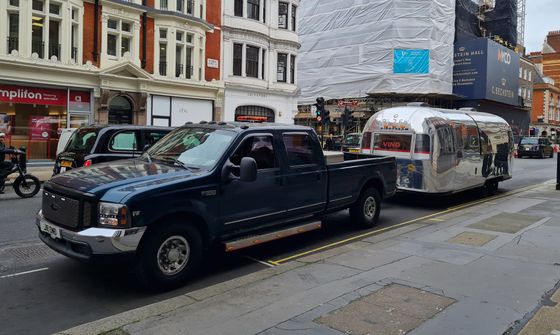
(230, 183)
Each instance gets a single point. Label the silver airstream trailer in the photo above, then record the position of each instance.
(441, 150)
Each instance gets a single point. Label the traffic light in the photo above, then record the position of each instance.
(347, 118)
(322, 113)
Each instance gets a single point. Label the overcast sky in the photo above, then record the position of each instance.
(542, 16)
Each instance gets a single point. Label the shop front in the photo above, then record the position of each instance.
(168, 111)
(33, 117)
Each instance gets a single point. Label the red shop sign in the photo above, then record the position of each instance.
(32, 95)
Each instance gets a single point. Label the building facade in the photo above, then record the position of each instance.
(545, 119)
(260, 46)
(68, 63)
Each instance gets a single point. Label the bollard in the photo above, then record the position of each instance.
(558, 171)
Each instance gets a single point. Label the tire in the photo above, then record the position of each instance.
(365, 212)
(29, 188)
(491, 187)
(180, 244)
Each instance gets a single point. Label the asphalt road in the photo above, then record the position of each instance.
(43, 292)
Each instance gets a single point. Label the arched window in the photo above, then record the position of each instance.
(120, 111)
(254, 114)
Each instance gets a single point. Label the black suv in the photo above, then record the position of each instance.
(101, 143)
(535, 146)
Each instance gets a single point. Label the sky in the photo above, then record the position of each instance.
(542, 16)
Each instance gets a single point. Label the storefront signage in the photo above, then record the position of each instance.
(32, 95)
(40, 127)
(80, 101)
(486, 70)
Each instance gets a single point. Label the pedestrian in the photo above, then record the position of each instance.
(5, 167)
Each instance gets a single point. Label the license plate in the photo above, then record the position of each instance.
(354, 150)
(66, 164)
(51, 230)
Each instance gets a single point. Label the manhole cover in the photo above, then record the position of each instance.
(394, 309)
(506, 222)
(470, 238)
(29, 253)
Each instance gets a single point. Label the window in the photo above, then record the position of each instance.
(252, 63)
(125, 141)
(54, 38)
(14, 3)
(292, 69)
(260, 148)
(253, 9)
(283, 15)
(525, 74)
(263, 68)
(37, 5)
(530, 75)
(119, 37)
(520, 92)
(237, 59)
(151, 137)
(180, 5)
(238, 8)
(74, 35)
(163, 4)
(264, 11)
(162, 34)
(189, 63)
(281, 68)
(13, 32)
(163, 58)
(189, 38)
(37, 42)
(299, 148)
(422, 144)
(54, 8)
(392, 142)
(294, 9)
(190, 7)
(520, 73)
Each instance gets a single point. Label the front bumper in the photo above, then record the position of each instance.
(91, 242)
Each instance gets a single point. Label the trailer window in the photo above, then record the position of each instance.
(422, 145)
(446, 140)
(472, 143)
(392, 142)
(366, 141)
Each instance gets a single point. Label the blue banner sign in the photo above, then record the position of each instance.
(411, 61)
(486, 70)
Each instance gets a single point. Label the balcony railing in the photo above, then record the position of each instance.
(38, 47)
(163, 68)
(13, 43)
(54, 50)
(189, 72)
(178, 70)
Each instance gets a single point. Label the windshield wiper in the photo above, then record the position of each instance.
(182, 164)
(149, 157)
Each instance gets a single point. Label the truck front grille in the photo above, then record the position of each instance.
(67, 212)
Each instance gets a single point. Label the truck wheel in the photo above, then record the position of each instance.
(365, 211)
(169, 256)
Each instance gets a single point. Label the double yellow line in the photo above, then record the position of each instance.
(382, 230)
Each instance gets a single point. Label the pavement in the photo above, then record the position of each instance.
(488, 267)
(43, 172)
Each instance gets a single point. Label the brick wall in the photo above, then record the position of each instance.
(213, 40)
(538, 104)
(89, 17)
(150, 46)
(553, 39)
(551, 67)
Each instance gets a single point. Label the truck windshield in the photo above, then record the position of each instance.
(82, 140)
(198, 148)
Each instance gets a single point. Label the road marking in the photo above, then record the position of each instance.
(263, 263)
(23, 273)
(436, 220)
(378, 231)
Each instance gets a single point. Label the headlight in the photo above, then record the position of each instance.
(113, 215)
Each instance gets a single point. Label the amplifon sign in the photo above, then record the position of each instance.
(32, 95)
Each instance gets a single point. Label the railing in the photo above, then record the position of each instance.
(163, 68)
(189, 73)
(54, 50)
(178, 70)
(38, 47)
(13, 43)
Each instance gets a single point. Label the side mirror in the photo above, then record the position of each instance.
(146, 147)
(248, 169)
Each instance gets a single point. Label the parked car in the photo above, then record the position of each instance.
(229, 183)
(540, 147)
(65, 135)
(351, 142)
(101, 143)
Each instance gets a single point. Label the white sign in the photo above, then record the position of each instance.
(213, 63)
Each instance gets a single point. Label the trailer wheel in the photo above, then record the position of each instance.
(365, 212)
(169, 256)
(491, 187)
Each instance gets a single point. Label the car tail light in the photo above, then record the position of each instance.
(87, 163)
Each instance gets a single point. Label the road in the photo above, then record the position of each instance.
(43, 292)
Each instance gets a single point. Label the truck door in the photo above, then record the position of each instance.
(248, 203)
(306, 176)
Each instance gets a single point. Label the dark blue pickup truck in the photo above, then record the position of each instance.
(231, 183)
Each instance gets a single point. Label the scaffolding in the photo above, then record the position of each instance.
(521, 22)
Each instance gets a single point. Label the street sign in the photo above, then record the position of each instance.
(318, 119)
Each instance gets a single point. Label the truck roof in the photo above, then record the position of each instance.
(243, 126)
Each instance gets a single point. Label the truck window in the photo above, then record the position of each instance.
(260, 148)
(124, 141)
(299, 148)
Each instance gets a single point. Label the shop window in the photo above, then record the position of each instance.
(281, 67)
(125, 141)
(254, 114)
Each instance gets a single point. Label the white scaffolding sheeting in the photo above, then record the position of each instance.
(347, 47)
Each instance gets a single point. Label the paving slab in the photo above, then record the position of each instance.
(506, 222)
(472, 239)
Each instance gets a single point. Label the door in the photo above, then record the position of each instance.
(247, 204)
(120, 111)
(306, 176)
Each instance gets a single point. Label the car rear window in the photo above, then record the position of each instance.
(529, 140)
(82, 140)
